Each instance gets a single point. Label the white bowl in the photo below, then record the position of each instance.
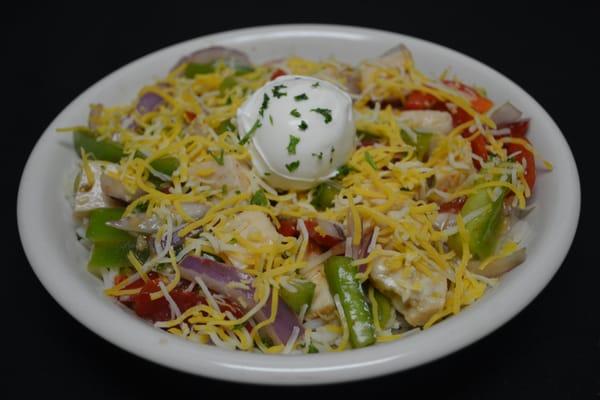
(46, 227)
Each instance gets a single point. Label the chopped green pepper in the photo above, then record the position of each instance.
(243, 69)
(194, 69)
(165, 165)
(304, 293)
(484, 229)
(421, 144)
(227, 83)
(99, 232)
(341, 277)
(110, 255)
(105, 150)
(324, 195)
(385, 310)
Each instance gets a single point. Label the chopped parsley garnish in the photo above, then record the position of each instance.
(293, 165)
(325, 112)
(265, 105)
(219, 159)
(301, 97)
(259, 198)
(225, 126)
(312, 349)
(295, 113)
(291, 148)
(316, 84)
(370, 160)
(331, 155)
(277, 91)
(303, 125)
(248, 135)
(267, 173)
(344, 170)
(224, 189)
(271, 119)
(319, 155)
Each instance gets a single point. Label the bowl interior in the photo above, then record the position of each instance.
(46, 226)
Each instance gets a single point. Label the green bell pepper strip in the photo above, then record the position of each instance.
(341, 277)
(484, 230)
(105, 150)
(194, 69)
(421, 144)
(385, 310)
(242, 70)
(324, 195)
(227, 83)
(97, 230)
(110, 255)
(165, 165)
(304, 294)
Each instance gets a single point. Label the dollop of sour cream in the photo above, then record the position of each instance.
(299, 129)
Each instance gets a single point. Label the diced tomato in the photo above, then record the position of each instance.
(526, 158)
(189, 116)
(417, 100)
(480, 103)
(394, 103)
(453, 206)
(287, 227)
(478, 147)
(367, 141)
(313, 247)
(517, 129)
(159, 310)
(277, 73)
(325, 241)
(459, 116)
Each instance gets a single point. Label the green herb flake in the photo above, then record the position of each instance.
(194, 69)
(295, 113)
(225, 126)
(303, 125)
(265, 105)
(370, 160)
(277, 91)
(312, 349)
(291, 148)
(344, 170)
(315, 85)
(220, 158)
(224, 189)
(259, 198)
(301, 97)
(319, 155)
(271, 119)
(325, 112)
(249, 134)
(293, 165)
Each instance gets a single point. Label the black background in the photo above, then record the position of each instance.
(550, 350)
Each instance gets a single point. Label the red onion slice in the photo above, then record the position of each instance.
(217, 275)
(209, 55)
(148, 102)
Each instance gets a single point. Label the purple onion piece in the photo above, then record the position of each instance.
(148, 102)
(212, 54)
(217, 275)
(506, 114)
